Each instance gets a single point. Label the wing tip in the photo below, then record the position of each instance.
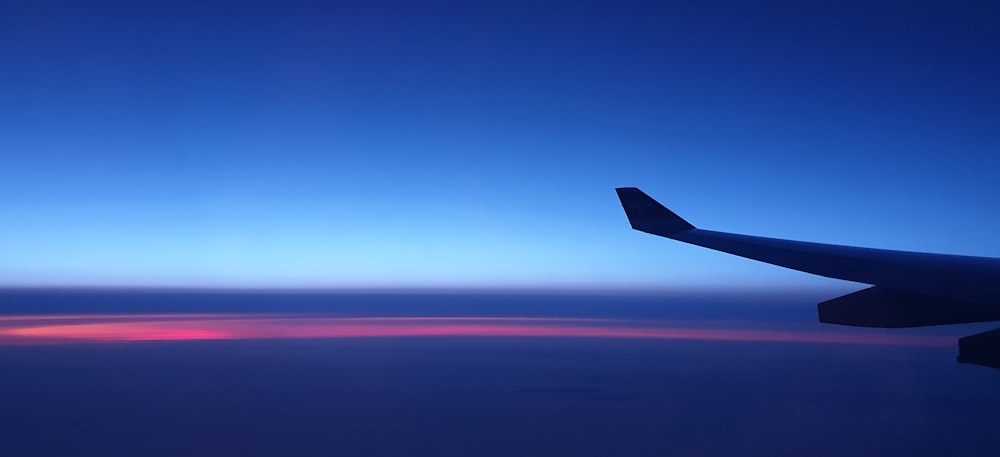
(647, 215)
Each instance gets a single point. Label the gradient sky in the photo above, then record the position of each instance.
(464, 144)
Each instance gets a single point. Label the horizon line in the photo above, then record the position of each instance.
(418, 290)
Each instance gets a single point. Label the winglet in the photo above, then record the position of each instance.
(648, 215)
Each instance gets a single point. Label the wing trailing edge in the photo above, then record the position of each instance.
(886, 308)
(980, 349)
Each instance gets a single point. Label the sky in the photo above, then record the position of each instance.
(477, 144)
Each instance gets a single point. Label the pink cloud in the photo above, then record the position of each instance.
(188, 327)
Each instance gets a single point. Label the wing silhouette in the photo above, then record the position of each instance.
(908, 289)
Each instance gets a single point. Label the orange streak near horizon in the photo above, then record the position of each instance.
(192, 327)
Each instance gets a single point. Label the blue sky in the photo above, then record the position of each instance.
(477, 144)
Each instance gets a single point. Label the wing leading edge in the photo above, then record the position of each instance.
(910, 289)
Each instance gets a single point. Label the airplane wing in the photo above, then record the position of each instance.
(909, 289)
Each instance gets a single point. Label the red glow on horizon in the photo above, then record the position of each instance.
(193, 327)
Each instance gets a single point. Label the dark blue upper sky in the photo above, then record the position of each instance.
(478, 143)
